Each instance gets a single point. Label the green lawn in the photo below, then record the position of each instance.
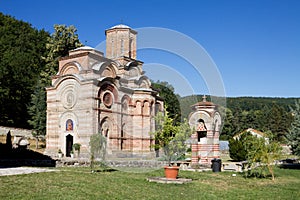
(80, 183)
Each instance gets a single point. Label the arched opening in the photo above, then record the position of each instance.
(201, 129)
(69, 145)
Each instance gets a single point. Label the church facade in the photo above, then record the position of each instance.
(108, 95)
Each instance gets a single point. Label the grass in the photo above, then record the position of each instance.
(80, 183)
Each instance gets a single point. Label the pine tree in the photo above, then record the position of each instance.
(293, 135)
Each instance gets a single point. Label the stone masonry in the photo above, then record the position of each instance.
(206, 121)
(108, 95)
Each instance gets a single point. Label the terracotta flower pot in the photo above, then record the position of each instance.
(171, 172)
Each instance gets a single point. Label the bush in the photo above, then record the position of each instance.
(238, 148)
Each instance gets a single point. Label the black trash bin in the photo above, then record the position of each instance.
(216, 165)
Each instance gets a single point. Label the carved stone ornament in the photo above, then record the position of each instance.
(69, 98)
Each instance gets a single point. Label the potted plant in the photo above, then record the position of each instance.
(171, 138)
(72, 153)
(60, 154)
(76, 147)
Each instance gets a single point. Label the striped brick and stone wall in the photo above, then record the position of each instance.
(93, 94)
(206, 121)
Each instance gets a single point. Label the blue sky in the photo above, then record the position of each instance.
(255, 44)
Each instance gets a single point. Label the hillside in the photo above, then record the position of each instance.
(266, 114)
(242, 103)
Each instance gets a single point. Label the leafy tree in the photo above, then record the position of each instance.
(262, 152)
(166, 91)
(293, 136)
(171, 137)
(58, 45)
(97, 149)
(21, 49)
(259, 153)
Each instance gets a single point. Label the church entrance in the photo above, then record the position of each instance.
(69, 145)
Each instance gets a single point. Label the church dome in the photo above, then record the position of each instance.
(120, 26)
(85, 48)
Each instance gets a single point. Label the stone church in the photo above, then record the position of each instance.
(109, 95)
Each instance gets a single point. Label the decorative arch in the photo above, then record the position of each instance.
(138, 107)
(66, 118)
(68, 92)
(106, 69)
(217, 123)
(146, 108)
(106, 127)
(62, 80)
(126, 102)
(203, 116)
(107, 94)
(144, 82)
(70, 68)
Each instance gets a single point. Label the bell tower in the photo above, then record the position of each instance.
(120, 42)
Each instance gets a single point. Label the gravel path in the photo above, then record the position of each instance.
(23, 170)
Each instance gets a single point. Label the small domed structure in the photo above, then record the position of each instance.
(206, 121)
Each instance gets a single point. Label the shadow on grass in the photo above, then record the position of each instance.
(290, 166)
(17, 157)
(104, 170)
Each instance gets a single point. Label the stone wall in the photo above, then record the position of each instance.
(149, 164)
(16, 131)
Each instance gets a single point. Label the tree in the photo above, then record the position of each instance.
(21, 51)
(262, 152)
(278, 121)
(171, 137)
(228, 127)
(259, 153)
(35, 110)
(238, 147)
(59, 44)
(293, 136)
(97, 149)
(166, 91)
